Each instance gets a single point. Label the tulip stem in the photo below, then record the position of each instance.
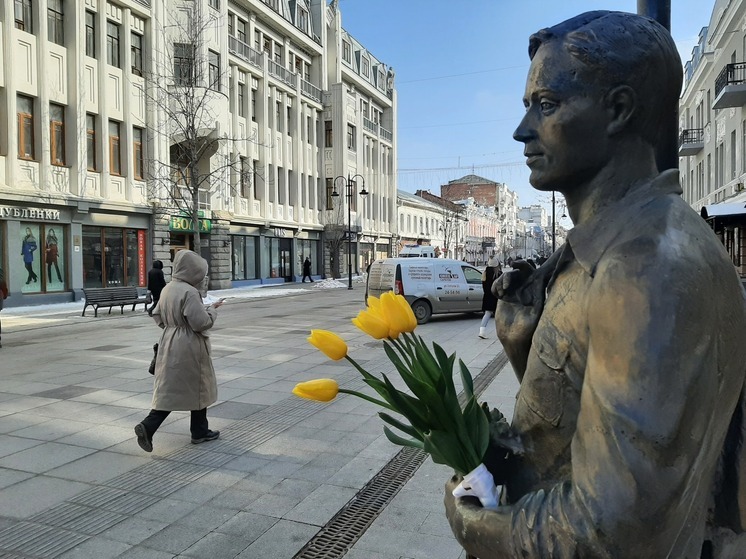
(369, 398)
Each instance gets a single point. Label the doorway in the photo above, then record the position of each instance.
(286, 261)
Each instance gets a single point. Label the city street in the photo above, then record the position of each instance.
(286, 474)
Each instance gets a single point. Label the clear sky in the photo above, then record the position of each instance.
(460, 73)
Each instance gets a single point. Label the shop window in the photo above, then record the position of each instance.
(244, 257)
(57, 134)
(90, 34)
(43, 253)
(113, 257)
(112, 44)
(90, 124)
(24, 15)
(25, 127)
(136, 54)
(138, 158)
(55, 22)
(115, 152)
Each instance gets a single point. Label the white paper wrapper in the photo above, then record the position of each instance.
(480, 484)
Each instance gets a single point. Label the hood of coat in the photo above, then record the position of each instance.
(493, 261)
(189, 267)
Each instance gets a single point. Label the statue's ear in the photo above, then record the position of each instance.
(621, 102)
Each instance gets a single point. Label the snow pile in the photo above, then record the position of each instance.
(329, 283)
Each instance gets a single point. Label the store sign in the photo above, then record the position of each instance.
(141, 257)
(184, 224)
(29, 213)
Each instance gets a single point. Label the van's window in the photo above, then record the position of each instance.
(472, 275)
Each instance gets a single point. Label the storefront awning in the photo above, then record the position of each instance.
(724, 210)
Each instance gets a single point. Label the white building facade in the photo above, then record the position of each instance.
(83, 137)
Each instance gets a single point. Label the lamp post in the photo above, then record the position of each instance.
(350, 184)
(554, 223)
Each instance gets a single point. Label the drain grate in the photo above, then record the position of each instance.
(336, 538)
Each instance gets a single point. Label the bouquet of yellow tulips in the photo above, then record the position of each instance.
(436, 424)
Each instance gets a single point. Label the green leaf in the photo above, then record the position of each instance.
(421, 389)
(445, 449)
(403, 427)
(411, 408)
(466, 379)
(401, 441)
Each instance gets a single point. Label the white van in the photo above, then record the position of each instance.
(431, 285)
(424, 251)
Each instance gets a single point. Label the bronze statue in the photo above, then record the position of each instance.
(629, 342)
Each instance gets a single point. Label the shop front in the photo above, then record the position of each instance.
(48, 254)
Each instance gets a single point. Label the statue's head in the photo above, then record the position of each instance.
(594, 79)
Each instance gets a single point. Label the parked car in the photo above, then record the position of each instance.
(430, 285)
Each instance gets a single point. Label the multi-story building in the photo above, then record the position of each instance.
(421, 222)
(712, 126)
(92, 161)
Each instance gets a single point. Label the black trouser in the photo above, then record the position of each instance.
(31, 273)
(49, 270)
(307, 276)
(198, 425)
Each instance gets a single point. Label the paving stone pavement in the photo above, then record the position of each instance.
(74, 484)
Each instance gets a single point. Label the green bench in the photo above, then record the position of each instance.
(112, 297)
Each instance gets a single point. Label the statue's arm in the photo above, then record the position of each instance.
(645, 407)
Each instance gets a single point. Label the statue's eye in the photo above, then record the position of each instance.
(547, 106)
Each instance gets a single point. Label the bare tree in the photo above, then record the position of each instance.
(335, 234)
(187, 93)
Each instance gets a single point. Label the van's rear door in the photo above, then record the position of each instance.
(380, 277)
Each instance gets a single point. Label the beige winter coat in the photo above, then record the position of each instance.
(184, 376)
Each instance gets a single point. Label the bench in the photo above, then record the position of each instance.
(113, 296)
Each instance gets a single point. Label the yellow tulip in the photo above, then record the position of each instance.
(321, 389)
(374, 303)
(394, 313)
(411, 318)
(329, 343)
(372, 324)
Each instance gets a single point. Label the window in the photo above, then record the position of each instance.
(214, 4)
(351, 137)
(90, 124)
(242, 99)
(115, 153)
(346, 51)
(24, 15)
(57, 134)
(299, 65)
(90, 34)
(136, 51)
(25, 127)
(138, 156)
(241, 28)
(278, 116)
(231, 27)
(303, 20)
(55, 22)
(328, 133)
(112, 44)
(245, 177)
(183, 63)
(255, 177)
(213, 63)
(329, 197)
(253, 105)
(309, 130)
(366, 67)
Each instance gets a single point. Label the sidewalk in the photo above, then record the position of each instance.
(74, 483)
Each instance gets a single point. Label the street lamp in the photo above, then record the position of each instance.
(350, 183)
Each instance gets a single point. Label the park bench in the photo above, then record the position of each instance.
(112, 297)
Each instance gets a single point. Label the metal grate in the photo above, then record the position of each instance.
(336, 538)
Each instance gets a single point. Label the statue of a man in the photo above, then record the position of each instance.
(629, 341)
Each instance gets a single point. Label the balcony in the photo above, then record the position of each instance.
(386, 135)
(310, 90)
(370, 126)
(283, 74)
(730, 87)
(242, 50)
(691, 141)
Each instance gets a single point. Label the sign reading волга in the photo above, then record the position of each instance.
(184, 224)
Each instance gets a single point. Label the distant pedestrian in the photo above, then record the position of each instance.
(307, 270)
(489, 301)
(184, 375)
(156, 283)
(3, 295)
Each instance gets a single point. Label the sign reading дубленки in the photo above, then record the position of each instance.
(7, 212)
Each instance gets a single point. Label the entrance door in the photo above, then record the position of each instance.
(286, 262)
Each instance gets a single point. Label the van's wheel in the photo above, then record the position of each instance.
(422, 311)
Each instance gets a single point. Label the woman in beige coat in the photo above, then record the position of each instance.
(184, 376)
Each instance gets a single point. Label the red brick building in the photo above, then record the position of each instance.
(484, 191)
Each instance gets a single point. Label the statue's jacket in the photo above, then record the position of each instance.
(634, 377)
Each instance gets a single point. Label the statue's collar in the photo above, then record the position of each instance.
(589, 241)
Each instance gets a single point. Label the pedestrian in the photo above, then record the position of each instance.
(307, 270)
(632, 401)
(184, 375)
(156, 283)
(489, 301)
(3, 295)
